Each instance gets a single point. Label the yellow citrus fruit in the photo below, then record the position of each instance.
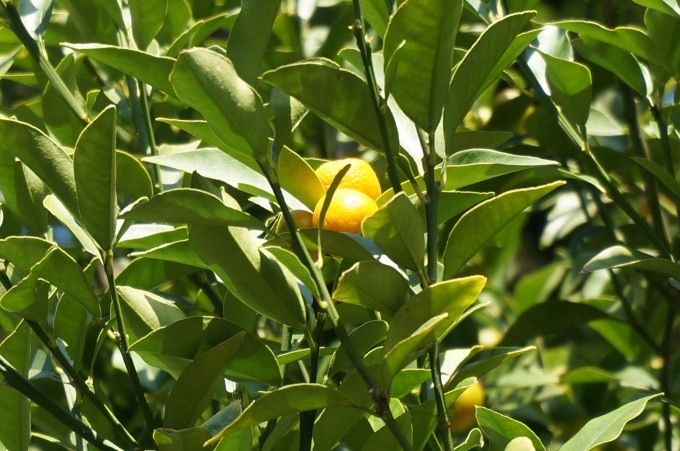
(347, 209)
(360, 176)
(302, 218)
(462, 414)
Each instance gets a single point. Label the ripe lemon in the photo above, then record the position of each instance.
(360, 176)
(463, 415)
(347, 209)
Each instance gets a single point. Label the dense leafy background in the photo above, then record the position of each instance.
(150, 152)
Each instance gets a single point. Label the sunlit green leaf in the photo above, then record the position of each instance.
(423, 73)
(193, 391)
(626, 257)
(482, 222)
(147, 18)
(571, 88)
(501, 430)
(373, 285)
(15, 408)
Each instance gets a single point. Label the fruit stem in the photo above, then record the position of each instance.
(379, 104)
(326, 304)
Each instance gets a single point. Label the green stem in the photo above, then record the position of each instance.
(379, 104)
(326, 304)
(307, 418)
(442, 419)
(15, 380)
(151, 139)
(667, 379)
(666, 148)
(641, 150)
(75, 378)
(17, 26)
(122, 344)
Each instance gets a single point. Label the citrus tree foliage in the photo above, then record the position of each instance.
(157, 293)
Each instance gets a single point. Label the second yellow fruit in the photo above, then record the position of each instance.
(463, 408)
(347, 209)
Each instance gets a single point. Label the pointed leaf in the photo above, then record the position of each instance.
(190, 206)
(298, 178)
(209, 83)
(398, 230)
(94, 162)
(253, 361)
(147, 18)
(182, 440)
(493, 51)
(422, 76)
(150, 69)
(376, 13)
(145, 312)
(193, 391)
(374, 285)
(450, 298)
(23, 193)
(68, 219)
(501, 430)
(15, 408)
(571, 87)
(626, 257)
(630, 39)
(666, 6)
(43, 156)
(336, 95)
(252, 274)
(288, 400)
(481, 223)
(249, 37)
(660, 173)
(605, 428)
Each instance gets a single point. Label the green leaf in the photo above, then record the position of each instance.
(484, 361)
(493, 51)
(363, 339)
(68, 219)
(452, 203)
(15, 408)
(249, 37)
(137, 181)
(147, 18)
(183, 440)
(660, 173)
(619, 62)
(475, 440)
(630, 39)
(191, 206)
(288, 114)
(176, 251)
(501, 430)
(253, 362)
(351, 246)
(29, 298)
(150, 69)
(24, 251)
(291, 261)
(376, 13)
(298, 178)
(484, 221)
(234, 169)
(193, 391)
(145, 312)
(571, 87)
(23, 193)
(200, 31)
(547, 318)
(398, 230)
(476, 139)
(605, 428)
(209, 83)
(60, 120)
(253, 274)
(374, 285)
(70, 325)
(287, 400)
(43, 156)
(422, 76)
(336, 95)
(35, 15)
(94, 163)
(666, 6)
(427, 317)
(664, 30)
(626, 257)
